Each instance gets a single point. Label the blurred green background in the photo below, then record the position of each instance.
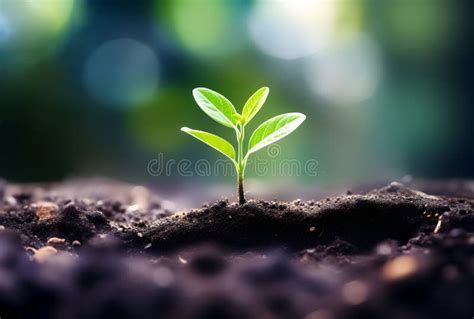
(102, 87)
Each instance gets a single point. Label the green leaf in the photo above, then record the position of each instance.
(213, 141)
(216, 106)
(238, 118)
(254, 104)
(273, 130)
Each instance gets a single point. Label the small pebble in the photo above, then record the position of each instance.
(355, 292)
(438, 226)
(76, 243)
(10, 200)
(399, 268)
(384, 249)
(55, 241)
(30, 250)
(96, 217)
(131, 209)
(42, 254)
(45, 210)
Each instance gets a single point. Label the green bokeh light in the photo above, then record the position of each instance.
(419, 29)
(35, 27)
(205, 27)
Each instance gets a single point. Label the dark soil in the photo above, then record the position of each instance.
(114, 251)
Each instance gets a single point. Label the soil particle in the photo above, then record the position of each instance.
(363, 220)
(97, 218)
(71, 223)
(339, 252)
(394, 212)
(372, 255)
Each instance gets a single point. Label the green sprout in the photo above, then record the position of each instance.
(221, 110)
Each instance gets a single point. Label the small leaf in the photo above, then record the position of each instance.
(216, 106)
(254, 104)
(274, 129)
(213, 141)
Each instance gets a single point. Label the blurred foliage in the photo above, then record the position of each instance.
(386, 86)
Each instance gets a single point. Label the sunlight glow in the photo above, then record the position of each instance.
(293, 29)
(347, 74)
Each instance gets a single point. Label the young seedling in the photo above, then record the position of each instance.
(221, 110)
